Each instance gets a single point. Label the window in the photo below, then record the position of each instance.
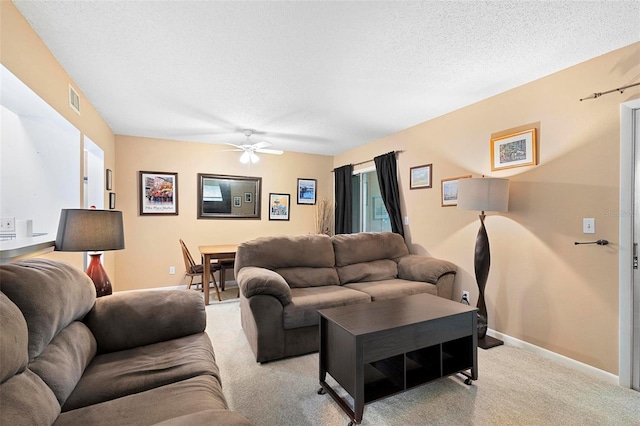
(369, 213)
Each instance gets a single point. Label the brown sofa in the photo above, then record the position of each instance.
(284, 280)
(67, 358)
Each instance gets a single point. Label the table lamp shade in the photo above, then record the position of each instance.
(90, 230)
(483, 194)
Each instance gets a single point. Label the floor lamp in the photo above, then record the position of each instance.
(92, 231)
(483, 194)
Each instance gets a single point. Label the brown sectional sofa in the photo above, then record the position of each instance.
(67, 358)
(284, 280)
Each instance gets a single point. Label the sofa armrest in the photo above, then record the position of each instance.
(422, 268)
(128, 320)
(253, 280)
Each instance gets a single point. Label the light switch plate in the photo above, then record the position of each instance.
(588, 225)
(8, 224)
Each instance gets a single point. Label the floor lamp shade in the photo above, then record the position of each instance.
(91, 230)
(483, 194)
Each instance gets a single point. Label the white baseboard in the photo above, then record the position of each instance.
(229, 283)
(572, 363)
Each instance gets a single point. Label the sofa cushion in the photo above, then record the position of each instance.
(384, 269)
(13, 340)
(152, 406)
(26, 400)
(391, 289)
(368, 246)
(50, 295)
(143, 368)
(309, 277)
(305, 302)
(63, 361)
(309, 250)
(117, 321)
(421, 268)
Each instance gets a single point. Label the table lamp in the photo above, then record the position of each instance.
(483, 194)
(91, 231)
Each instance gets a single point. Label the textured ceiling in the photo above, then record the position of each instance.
(312, 76)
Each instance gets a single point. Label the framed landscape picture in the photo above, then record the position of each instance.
(420, 177)
(514, 150)
(279, 206)
(158, 193)
(307, 191)
(450, 190)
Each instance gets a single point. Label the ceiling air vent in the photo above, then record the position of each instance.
(74, 99)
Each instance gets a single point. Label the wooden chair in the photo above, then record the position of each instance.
(195, 270)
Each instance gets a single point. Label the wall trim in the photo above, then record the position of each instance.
(561, 359)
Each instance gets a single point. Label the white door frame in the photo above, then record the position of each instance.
(625, 370)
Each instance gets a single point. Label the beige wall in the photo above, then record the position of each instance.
(542, 288)
(26, 56)
(152, 241)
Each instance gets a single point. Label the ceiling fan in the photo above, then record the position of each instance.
(249, 150)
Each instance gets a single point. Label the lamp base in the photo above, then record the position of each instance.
(99, 276)
(488, 342)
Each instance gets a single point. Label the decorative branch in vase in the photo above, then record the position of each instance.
(324, 217)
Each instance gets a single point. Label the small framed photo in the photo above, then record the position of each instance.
(306, 191)
(237, 201)
(420, 177)
(108, 180)
(279, 206)
(158, 193)
(450, 190)
(112, 201)
(514, 150)
(248, 197)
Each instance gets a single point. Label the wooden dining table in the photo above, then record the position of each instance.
(209, 253)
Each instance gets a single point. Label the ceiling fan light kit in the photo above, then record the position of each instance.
(249, 150)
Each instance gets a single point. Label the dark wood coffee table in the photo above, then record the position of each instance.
(378, 349)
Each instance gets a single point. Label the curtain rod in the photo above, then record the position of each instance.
(619, 89)
(368, 161)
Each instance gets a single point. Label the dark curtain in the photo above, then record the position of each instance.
(343, 198)
(387, 171)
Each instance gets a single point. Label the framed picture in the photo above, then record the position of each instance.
(379, 210)
(420, 177)
(108, 180)
(158, 193)
(279, 206)
(237, 201)
(306, 191)
(450, 191)
(248, 197)
(112, 201)
(514, 150)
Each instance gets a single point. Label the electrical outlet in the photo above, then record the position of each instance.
(465, 298)
(588, 225)
(172, 270)
(8, 224)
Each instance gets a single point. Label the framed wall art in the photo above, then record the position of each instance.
(307, 191)
(158, 193)
(420, 177)
(514, 150)
(108, 180)
(112, 201)
(279, 206)
(450, 190)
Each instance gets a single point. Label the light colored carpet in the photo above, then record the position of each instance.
(515, 387)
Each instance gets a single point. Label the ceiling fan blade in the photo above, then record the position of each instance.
(270, 151)
(230, 150)
(240, 147)
(261, 144)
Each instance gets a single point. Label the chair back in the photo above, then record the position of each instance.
(189, 263)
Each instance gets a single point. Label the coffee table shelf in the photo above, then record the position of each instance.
(380, 349)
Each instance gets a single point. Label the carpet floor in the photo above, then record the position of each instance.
(515, 387)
